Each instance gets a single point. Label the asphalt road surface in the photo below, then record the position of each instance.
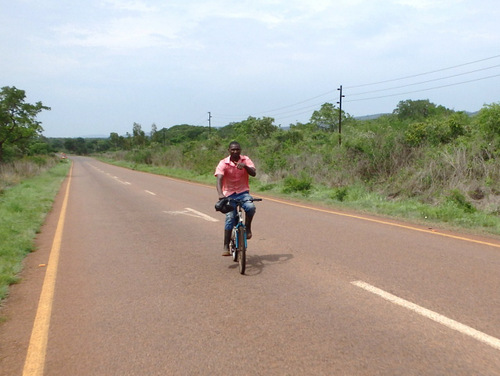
(139, 287)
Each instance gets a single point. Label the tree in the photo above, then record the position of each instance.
(115, 140)
(256, 127)
(489, 119)
(183, 133)
(419, 110)
(81, 146)
(139, 135)
(70, 145)
(17, 119)
(326, 118)
(154, 130)
(160, 136)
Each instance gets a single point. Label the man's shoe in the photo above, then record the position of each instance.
(227, 239)
(249, 235)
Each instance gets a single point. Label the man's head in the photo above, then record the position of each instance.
(234, 151)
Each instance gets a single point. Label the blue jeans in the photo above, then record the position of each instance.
(248, 207)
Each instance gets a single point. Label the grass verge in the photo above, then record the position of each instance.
(23, 208)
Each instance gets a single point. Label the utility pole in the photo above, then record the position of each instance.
(340, 114)
(209, 121)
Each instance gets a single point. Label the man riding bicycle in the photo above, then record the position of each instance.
(232, 181)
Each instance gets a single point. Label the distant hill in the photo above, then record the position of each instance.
(370, 117)
(376, 116)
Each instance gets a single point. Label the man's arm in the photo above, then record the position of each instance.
(251, 170)
(219, 186)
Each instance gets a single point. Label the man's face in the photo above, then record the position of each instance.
(234, 152)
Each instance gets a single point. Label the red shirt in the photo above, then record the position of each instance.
(234, 180)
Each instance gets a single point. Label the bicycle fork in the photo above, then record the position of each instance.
(237, 235)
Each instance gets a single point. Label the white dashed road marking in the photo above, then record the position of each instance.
(193, 213)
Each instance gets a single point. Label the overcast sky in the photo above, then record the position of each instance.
(102, 65)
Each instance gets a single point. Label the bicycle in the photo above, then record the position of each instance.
(238, 242)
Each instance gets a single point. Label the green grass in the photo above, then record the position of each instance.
(449, 214)
(23, 208)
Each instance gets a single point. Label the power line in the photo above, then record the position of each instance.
(304, 101)
(283, 107)
(425, 73)
(425, 82)
(282, 115)
(431, 88)
(287, 112)
(269, 113)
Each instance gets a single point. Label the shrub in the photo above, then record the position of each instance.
(302, 184)
(458, 199)
(266, 187)
(339, 194)
(489, 119)
(140, 156)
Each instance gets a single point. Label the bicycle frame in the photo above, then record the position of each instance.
(239, 223)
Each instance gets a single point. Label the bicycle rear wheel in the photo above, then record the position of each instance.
(242, 250)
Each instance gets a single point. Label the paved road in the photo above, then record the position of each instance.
(141, 289)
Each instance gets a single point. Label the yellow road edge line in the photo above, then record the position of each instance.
(35, 358)
(386, 223)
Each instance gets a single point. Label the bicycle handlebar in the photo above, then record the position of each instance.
(242, 201)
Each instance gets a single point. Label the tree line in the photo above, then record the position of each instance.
(419, 150)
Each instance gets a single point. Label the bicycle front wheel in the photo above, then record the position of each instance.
(242, 250)
(232, 246)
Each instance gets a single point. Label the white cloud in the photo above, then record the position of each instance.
(130, 5)
(417, 4)
(126, 33)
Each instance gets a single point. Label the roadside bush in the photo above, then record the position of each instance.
(457, 198)
(39, 148)
(302, 184)
(437, 130)
(39, 160)
(265, 187)
(140, 156)
(200, 158)
(339, 194)
(489, 119)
